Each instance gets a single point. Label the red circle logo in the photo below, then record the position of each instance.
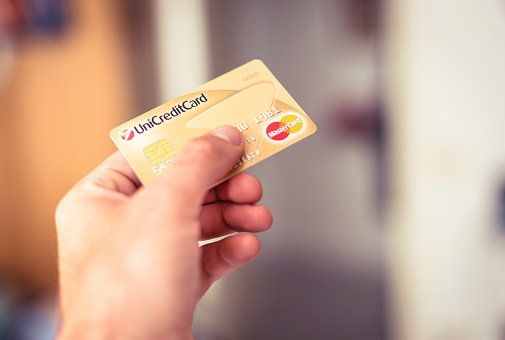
(277, 131)
(127, 134)
(282, 129)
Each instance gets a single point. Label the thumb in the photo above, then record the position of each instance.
(202, 162)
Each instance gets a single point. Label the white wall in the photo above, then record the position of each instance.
(182, 46)
(447, 99)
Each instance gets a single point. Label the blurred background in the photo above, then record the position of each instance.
(395, 228)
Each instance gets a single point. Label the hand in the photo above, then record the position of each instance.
(130, 264)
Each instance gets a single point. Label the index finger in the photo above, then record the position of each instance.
(241, 188)
(115, 174)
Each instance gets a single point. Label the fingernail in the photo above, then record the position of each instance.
(229, 134)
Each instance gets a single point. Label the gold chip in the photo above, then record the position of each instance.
(159, 151)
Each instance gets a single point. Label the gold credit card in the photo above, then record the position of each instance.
(248, 97)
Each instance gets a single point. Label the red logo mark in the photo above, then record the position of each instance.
(282, 129)
(277, 131)
(127, 134)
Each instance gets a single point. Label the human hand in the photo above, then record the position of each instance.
(130, 264)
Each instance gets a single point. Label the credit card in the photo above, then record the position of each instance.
(249, 98)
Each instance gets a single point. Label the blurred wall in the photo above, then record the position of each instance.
(446, 62)
(61, 96)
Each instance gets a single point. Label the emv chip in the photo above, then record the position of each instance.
(159, 151)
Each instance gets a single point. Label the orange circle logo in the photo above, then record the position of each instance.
(282, 129)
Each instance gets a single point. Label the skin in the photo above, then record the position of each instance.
(129, 260)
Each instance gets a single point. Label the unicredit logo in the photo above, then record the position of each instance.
(127, 134)
(156, 120)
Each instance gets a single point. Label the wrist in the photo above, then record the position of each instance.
(100, 331)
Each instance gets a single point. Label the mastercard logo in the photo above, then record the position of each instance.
(127, 134)
(282, 129)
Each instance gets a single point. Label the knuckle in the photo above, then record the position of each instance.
(66, 210)
(61, 213)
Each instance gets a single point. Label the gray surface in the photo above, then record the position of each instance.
(320, 274)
